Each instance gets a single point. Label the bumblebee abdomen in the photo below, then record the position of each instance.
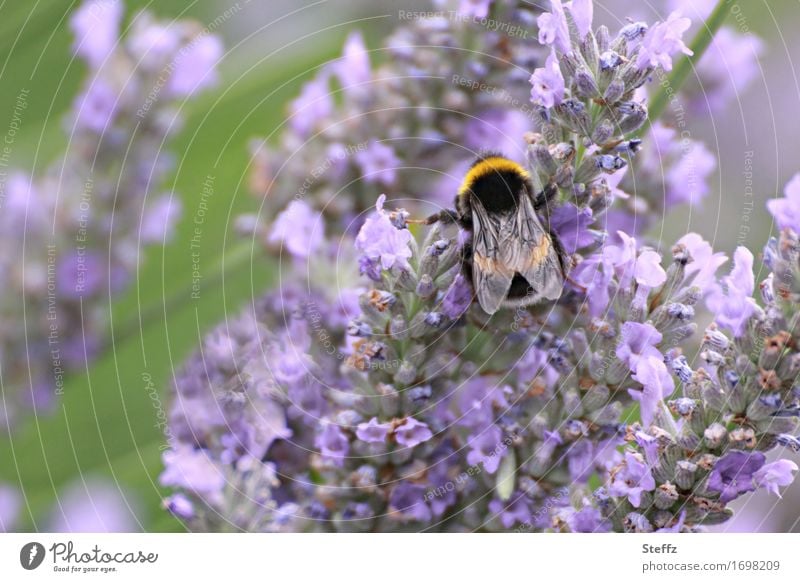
(496, 182)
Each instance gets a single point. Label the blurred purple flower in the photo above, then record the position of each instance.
(412, 432)
(571, 224)
(159, 220)
(193, 470)
(409, 501)
(786, 210)
(95, 25)
(10, 504)
(378, 163)
(373, 431)
(582, 12)
(300, 229)
(488, 449)
(333, 443)
(312, 106)
(93, 506)
(662, 40)
(779, 473)
(353, 68)
(195, 67)
(732, 302)
(474, 8)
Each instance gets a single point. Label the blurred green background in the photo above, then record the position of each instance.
(106, 425)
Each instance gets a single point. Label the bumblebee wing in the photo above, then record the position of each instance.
(491, 277)
(526, 248)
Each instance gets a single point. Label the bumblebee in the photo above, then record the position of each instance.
(512, 260)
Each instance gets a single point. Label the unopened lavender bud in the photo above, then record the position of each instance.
(609, 163)
(398, 328)
(585, 84)
(603, 132)
(634, 114)
(603, 38)
(789, 441)
(685, 472)
(764, 406)
(665, 495)
(630, 147)
(425, 287)
(609, 60)
(742, 438)
(434, 319)
(712, 358)
(596, 397)
(715, 436)
(681, 369)
(680, 311)
(359, 328)
(406, 373)
(716, 339)
(614, 91)
(542, 160)
(767, 289)
(419, 395)
(633, 31)
(684, 407)
(635, 522)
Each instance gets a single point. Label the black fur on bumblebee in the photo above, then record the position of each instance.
(513, 260)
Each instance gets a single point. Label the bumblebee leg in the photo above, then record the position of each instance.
(445, 217)
(544, 198)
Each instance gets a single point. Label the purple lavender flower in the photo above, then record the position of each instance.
(732, 302)
(486, 448)
(515, 510)
(734, 474)
(547, 83)
(632, 478)
(582, 12)
(702, 269)
(95, 25)
(300, 229)
(333, 443)
(638, 340)
(779, 473)
(381, 242)
(553, 29)
(662, 40)
(412, 432)
(657, 384)
(786, 211)
(160, 219)
(373, 431)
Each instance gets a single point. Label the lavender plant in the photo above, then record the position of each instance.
(410, 409)
(72, 235)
